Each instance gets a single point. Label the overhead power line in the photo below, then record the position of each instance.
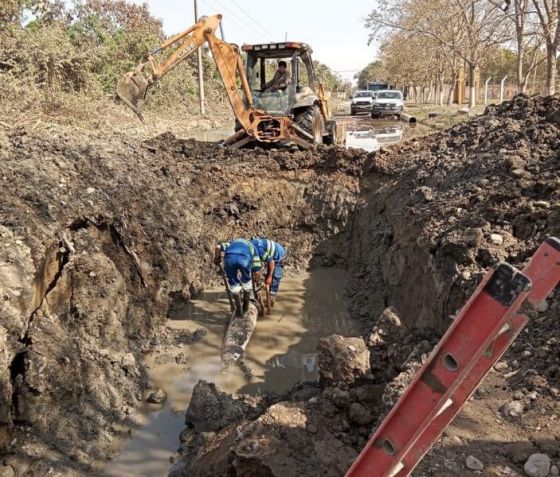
(259, 24)
(231, 20)
(263, 33)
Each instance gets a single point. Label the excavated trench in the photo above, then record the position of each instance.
(282, 352)
(90, 333)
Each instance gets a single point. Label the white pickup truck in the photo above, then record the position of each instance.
(362, 101)
(389, 102)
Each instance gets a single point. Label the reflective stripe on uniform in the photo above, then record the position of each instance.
(256, 259)
(234, 288)
(270, 249)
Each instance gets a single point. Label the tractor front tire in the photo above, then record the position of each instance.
(310, 120)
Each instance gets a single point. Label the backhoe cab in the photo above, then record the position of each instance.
(296, 114)
(302, 99)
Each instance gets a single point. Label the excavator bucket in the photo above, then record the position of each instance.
(131, 89)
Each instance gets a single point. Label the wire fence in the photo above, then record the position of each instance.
(489, 93)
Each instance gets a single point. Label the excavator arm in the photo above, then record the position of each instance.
(256, 124)
(133, 86)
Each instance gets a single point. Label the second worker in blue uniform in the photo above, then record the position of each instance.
(243, 261)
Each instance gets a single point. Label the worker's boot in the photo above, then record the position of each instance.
(246, 300)
(238, 305)
(272, 299)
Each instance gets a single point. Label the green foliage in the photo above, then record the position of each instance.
(332, 81)
(372, 72)
(85, 47)
(498, 63)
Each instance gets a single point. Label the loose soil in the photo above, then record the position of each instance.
(102, 238)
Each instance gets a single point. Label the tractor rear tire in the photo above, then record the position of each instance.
(310, 120)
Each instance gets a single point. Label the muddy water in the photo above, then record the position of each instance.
(281, 352)
(375, 134)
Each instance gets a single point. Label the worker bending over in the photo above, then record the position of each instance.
(273, 255)
(241, 261)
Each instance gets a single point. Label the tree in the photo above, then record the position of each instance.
(548, 12)
(373, 71)
(527, 42)
(466, 29)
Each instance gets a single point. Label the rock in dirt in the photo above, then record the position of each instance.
(339, 397)
(157, 396)
(473, 463)
(512, 409)
(285, 440)
(7, 471)
(342, 360)
(359, 414)
(496, 239)
(211, 409)
(370, 394)
(538, 465)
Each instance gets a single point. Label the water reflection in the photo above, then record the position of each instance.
(374, 136)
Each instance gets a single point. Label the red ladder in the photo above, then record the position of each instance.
(486, 326)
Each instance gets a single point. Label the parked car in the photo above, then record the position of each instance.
(389, 102)
(362, 101)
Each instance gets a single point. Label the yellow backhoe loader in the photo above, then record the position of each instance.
(297, 113)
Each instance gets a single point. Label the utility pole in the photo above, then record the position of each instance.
(200, 75)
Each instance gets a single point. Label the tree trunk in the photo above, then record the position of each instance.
(551, 61)
(472, 86)
(452, 89)
(534, 79)
(521, 82)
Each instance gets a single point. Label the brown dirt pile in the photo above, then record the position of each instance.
(434, 214)
(100, 237)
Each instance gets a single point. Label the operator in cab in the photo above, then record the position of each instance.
(281, 79)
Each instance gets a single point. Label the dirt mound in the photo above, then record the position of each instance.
(434, 215)
(100, 239)
(301, 432)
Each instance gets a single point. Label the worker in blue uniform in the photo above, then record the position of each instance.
(241, 263)
(273, 255)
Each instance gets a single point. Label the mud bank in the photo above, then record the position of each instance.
(434, 214)
(101, 239)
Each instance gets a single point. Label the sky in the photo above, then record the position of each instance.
(334, 28)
